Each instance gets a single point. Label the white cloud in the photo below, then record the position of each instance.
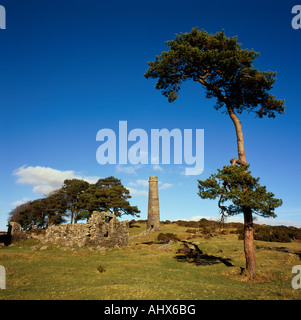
(140, 183)
(132, 184)
(19, 202)
(156, 167)
(143, 183)
(127, 169)
(45, 180)
(135, 192)
(44, 189)
(165, 186)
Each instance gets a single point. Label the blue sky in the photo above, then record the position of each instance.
(70, 68)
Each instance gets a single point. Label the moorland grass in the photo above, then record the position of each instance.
(147, 271)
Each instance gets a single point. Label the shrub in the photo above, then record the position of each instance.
(225, 232)
(167, 237)
(273, 233)
(166, 222)
(194, 230)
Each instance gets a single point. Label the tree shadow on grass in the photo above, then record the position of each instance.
(155, 242)
(196, 256)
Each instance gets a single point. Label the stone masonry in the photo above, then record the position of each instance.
(153, 219)
(102, 229)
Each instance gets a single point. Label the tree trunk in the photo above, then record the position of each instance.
(249, 243)
(240, 139)
(72, 215)
(248, 219)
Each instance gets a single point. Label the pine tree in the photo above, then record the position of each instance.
(239, 192)
(225, 71)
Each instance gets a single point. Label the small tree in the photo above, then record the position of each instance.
(41, 213)
(22, 215)
(236, 186)
(57, 206)
(107, 194)
(71, 191)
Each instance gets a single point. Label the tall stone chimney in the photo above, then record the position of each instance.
(153, 219)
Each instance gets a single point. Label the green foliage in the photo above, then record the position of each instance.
(261, 232)
(84, 214)
(71, 191)
(41, 212)
(108, 195)
(202, 223)
(273, 233)
(109, 182)
(236, 184)
(78, 199)
(221, 66)
(167, 237)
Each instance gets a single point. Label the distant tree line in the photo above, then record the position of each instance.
(261, 232)
(205, 227)
(76, 200)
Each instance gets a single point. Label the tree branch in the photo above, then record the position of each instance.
(235, 160)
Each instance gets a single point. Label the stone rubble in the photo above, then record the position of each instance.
(102, 229)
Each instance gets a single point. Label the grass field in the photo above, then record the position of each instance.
(147, 271)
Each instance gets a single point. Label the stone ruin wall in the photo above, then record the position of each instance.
(102, 229)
